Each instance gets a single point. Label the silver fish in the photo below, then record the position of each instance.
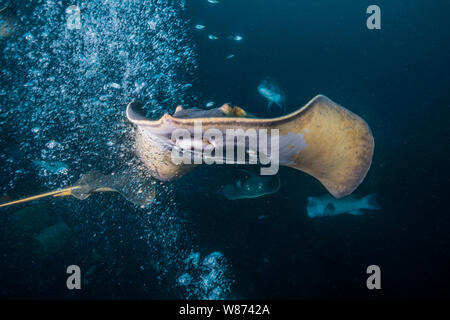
(327, 205)
(269, 90)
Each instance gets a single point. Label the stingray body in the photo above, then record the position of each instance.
(322, 139)
(251, 185)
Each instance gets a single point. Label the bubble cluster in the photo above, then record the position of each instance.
(207, 279)
(63, 96)
(67, 89)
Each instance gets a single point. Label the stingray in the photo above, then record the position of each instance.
(322, 139)
(94, 181)
(252, 185)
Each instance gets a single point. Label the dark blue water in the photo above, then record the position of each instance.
(396, 78)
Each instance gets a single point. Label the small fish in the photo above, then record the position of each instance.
(235, 38)
(200, 27)
(269, 90)
(213, 37)
(210, 104)
(230, 56)
(326, 205)
(214, 1)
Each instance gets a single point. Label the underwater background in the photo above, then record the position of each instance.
(63, 96)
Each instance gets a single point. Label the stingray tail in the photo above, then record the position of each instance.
(57, 193)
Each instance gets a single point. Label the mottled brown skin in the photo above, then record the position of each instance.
(158, 159)
(339, 144)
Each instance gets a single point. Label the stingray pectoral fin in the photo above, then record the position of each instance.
(337, 145)
(322, 139)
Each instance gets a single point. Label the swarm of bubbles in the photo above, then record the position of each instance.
(66, 88)
(207, 278)
(63, 97)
